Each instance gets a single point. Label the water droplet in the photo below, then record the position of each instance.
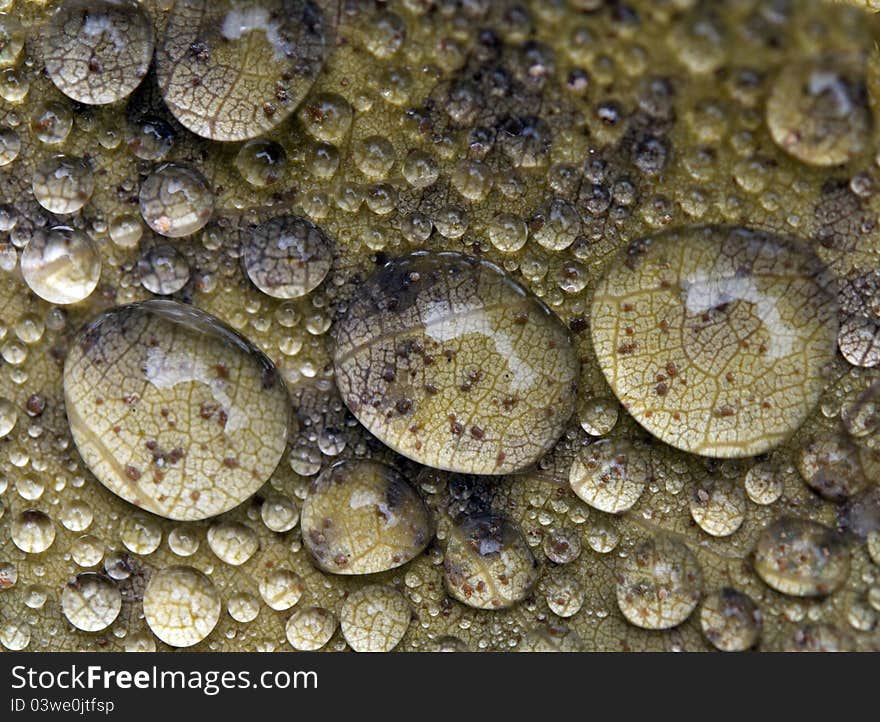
(32, 531)
(818, 110)
(91, 602)
(243, 607)
(10, 147)
(362, 517)
(374, 156)
(287, 257)
(175, 200)
(458, 382)
(610, 475)
(15, 635)
(326, 116)
(188, 402)
(718, 506)
(87, 551)
(830, 466)
(61, 265)
(8, 417)
(375, 618)
(140, 533)
(800, 557)
(565, 595)
(181, 606)
(551, 638)
(310, 629)
(63, 184)
(763, 483)
(183, 541)
(659, 584)
(281, 589)
(12, 38)
(261, 162)
(508, 233)
(163, 270)
(731, 620)
(279, 513)
(488, 564)
(555, 225)
(420, 169)
(8, 575)
(695, 328)
(98, 51)
(230, 72)
(598, 415)
(233, 542)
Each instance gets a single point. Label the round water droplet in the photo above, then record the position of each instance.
(91, 602)
(508, 233)
(374, 156)
(326, 116)
(859, 340)
(87, 551)
(261, 162)
(818, 110)
(163, 270)
(718, 506)
(8, 417)
(150, 139)
(862, 417)
(181, 606)
(279, 513)
(63, 184)
(243, 607)
(15, 635)
(763, 483)
(12, 38)
(715, 338)
(363, 517)
(126, 231)
(10, 147)
(76, 515)
(730, 620)
(565, 595)
(229, 71)
(449, 361)
(420, 169)
(830, 466)
(140, 533)
(610, 475)
(32, 531)
(310, 629)
(233, 542)
(598, 415)
(488, 564)
(281, 589)
(8, 575)
(801, 557)
(287, 257)
(174, 411)
(555, 225)
(61, 265)
(375, 618)
(175, 200)
(659, 584)
(98, 51)
(562, 546)
(183, 541)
